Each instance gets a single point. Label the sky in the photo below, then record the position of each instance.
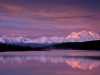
(38, 18)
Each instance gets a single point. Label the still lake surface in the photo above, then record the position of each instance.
(55, 62)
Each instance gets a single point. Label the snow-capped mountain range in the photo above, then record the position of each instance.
(73, 37)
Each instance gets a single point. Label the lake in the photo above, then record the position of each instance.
(55, 62)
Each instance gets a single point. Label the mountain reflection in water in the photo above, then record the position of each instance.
(82, 63)
(53, 62)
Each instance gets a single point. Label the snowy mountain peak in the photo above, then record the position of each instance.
(7, 39)
(83, 36)
(88, 33)
(4, 39)
(73, 37)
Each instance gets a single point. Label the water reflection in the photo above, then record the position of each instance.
(82, 63)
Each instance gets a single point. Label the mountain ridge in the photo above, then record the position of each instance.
(81, 36)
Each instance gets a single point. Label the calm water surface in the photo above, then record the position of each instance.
(54, 62)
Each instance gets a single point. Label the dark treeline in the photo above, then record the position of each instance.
(13, 47)
(89, 45)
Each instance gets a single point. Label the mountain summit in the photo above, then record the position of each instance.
(83, 36)
(73, 37)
